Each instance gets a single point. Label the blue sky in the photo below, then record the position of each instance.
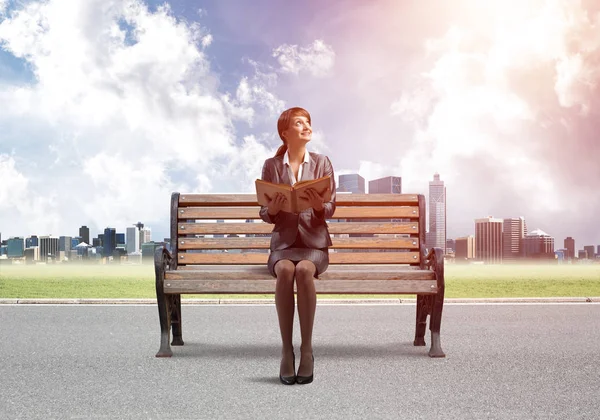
(110, 105)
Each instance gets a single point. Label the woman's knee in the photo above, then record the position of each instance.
(284, 269)
(305, 271)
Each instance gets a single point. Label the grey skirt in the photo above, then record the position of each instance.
(297, 252)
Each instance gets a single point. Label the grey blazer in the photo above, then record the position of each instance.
(311, 225)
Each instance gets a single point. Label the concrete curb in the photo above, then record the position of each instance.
(383, 301)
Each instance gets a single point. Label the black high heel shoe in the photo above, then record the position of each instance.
(302, 380)
(289, 380)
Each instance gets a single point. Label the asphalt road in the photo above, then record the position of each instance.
(512, 361)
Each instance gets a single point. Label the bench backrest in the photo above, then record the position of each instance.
(365, 229)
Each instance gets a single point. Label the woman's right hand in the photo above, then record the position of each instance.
(276, 203)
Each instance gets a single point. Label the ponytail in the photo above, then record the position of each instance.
(281, 151)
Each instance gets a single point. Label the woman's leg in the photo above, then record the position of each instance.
(284, 302)
(307, 305)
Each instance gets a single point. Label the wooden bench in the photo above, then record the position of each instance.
(208, 257)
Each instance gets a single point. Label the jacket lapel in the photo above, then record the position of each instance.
(282, 173)
(308, 172)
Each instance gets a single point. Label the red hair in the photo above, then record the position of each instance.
(284, 122)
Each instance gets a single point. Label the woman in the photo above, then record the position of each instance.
(299, 242)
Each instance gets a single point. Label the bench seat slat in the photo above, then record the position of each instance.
(228, 258)
(341, 199)
(263, 243)
(371, 212)
(329, 286)
(264, 228)
(341, 272)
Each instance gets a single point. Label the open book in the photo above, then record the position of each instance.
(297, 199)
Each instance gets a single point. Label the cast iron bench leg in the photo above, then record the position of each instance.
(176, 320)
(421, 317)
(434, 325)
(164, 312)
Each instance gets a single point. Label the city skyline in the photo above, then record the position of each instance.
(111, 108)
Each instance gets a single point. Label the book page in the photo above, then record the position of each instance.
(266, 191)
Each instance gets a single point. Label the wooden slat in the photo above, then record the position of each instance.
(263, 243)
(220, 200)
(264, 228)
(334, 272)
(329, 286)
(340, 213)
(334, 258)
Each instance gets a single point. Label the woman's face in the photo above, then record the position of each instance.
(299, 131)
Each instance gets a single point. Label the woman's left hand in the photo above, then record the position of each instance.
(315, 200)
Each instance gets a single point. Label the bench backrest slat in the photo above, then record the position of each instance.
(409, 228)
(334, 258)
(234, 200)
(263, 243)
(233, 213)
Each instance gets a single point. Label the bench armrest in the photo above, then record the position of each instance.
(435, 261)
(162, 257)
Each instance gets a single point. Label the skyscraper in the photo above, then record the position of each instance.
(437, 214)
(513, 232)
(570, 247)
(110, 242)
(133, 239)
(488, 240)
(84, 234)
(352, 183)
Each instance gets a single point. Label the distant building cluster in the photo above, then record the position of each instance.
(135, 245)
(496, 240)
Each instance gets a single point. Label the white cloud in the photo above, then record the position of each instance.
(125, 102)
(479, 113)
(317, 59)
(13, 188)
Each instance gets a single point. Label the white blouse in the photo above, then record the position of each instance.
(286, 161)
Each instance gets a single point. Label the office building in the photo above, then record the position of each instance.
(64, 247)
(146, 235)
(436, 237)
(15, 247)
(32, 241)
(464, 248)
(513, 232)
(582, 254)
(121, 240)
(538, 245)
(133, 239)
(488, 240)
(590, 251)
(387, 185)
(48, 248)
(569, 245)
(109, 242)
(352, 183)
(84, 234)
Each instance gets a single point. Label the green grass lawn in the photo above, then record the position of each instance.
(472, 281)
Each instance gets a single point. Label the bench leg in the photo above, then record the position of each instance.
(176, 320)
(165, 322)
(164, 311)
(434, 325)
(423, 309)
